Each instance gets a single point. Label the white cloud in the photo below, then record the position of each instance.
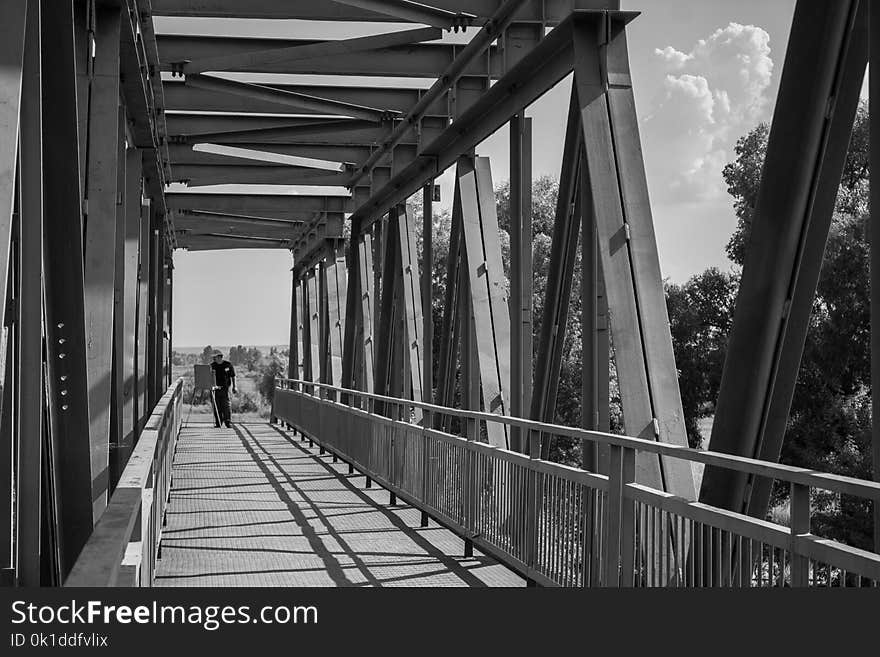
(711, 96)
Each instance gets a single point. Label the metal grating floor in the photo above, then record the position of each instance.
(254, 506)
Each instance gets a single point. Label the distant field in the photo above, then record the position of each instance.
(225, 348)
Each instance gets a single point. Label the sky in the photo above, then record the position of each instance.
(704, 73)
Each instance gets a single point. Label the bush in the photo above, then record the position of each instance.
(244, 403)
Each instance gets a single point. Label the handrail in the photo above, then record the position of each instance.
(558, 525)
(124, 543)
(791, 474)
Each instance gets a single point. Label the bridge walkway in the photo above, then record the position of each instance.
(254, 506)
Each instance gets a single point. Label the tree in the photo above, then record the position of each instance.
(207, 355)
(274, 368)
(251, 357)
(700, 315)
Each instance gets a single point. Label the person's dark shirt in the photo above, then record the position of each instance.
(223, 373)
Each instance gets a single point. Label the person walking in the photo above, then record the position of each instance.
(224, 376)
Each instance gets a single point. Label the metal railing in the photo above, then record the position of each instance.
(559, 525)
(126, 540)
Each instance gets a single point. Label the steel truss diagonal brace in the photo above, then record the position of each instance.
(628, 252)
(289, 98)
(412, 301)
(335, 274)
(481, 248)
(818, 96)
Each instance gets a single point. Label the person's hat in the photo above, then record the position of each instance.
(217, 353)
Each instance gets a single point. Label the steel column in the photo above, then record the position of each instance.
(521, 283)
(142, 316)
(874, 92)
(427, 283)
(387, 313)
(314, 321)
(63, 279)
(117, 368)
(293, 353)
(99, 263)
(29, 306)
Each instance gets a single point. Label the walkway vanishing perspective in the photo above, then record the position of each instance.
(255, 506)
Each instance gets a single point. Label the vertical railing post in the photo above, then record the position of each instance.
(427, 421)
(627, 519)
(533, 503)
(800, 525)
(470, 486)
(612, 520)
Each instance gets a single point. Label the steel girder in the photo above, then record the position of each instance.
(521, 282)
(818, 95)
(32, 455)
(549, 12)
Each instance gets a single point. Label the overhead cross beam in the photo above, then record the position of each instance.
(280, 56)
(221, 174)
(411, 60)
(415, 12)
(289, 98)
(180, 97)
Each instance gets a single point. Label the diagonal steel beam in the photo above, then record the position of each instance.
(192, 154)
(482, 261)
(628, 251)
(806, 151)
(310, 51)
(290, 98)
(559, 278)
(268, 157)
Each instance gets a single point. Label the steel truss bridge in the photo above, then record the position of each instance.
(110, 130)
